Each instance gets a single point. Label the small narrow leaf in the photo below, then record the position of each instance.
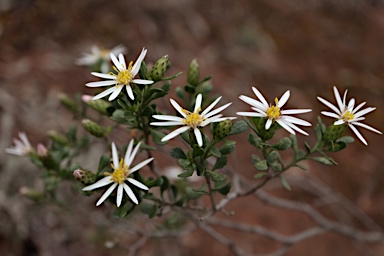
(285, 184)
(177, 152)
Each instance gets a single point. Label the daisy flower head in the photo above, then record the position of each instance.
(22, 147)
(125, 77)
(192, 120)
(99, 54)
(275, 113)
(120, 176)
(348, 113)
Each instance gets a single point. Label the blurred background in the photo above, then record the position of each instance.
(304, 46)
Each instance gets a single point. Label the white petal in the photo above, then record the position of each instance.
(293, 126)
(363, 112)
(361, 138)
(132, 156)
(116, 62)
(130, 92)
(284, 99)
(295, 120)
(268, 124)
(104, 67)
(328, 104)
(14, 151)
(130, 193)
(136, 66)
(138, 166)
(339, 122)
(118, 49)
(104, 93)
(137, 184)
(338, 99)
(171, 123)
(358, 107)
(129, 151)
(115, 93)
(254, 102)
(351, 104)
(285, 126)
(122, 61)
(106, 76)
(199, 98)
(101, 83)
(345, 98)
(168, 118)
(295, 111)
(219, 120)
(198, 136)
(177, 107)
(24, 139)
(330, 114)
(260, 97)
(142, 81)
(210, 120)
(218, 110)
(119, 195)
(115, 156)
(367, 127)
(106, 194)
(175, 133)
(212, 105)
(101, 183)
(251, 114)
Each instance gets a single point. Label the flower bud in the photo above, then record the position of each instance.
(160, 67)
(58, 137)
(100, 105)
(45, 157)
(84, 176)
(334, 132)
(223, 128)
(93, 128)
(32, 193)
(67, 102)
(193, 73)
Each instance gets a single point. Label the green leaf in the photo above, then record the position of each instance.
(238, 127)
(215, 151)
(272, 156)
(185, 137)
(255, 159)
(177, 152)
(185, 174)
(71, 134)
(189, 89)
(157, 136)
(164, 185)
(260, 175)
(104, 161)
(185, 163)
(294, 143)
(307, 147)
(276, 167)
(224, 190)
(172, 77)
(228, 147)
(197, 151)
(261, 165)
(324, 160)
(180, 93)
(346, 139)
(217, 177)
(283, 144)
(285, 183)
(123, 210)
(254, 141)
(148, 111)
(149, 209)
(220, 163)
(194, 194)
(301, 167)
(119, 116)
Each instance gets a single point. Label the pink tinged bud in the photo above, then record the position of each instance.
(86, 98)
(42, 151)
(78, 174)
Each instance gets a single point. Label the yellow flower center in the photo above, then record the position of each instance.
(119, 174)
(124, 77)
(273, 112)
(348, 116)
(192, 119)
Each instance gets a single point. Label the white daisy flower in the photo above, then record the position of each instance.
(275, 113)
(192, 120)
(348, 113)
(22, 147)
(124, 77)
(98, 54)
(121, 172)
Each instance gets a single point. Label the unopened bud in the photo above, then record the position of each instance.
(193, 73)
(99, 105)
(45, 157)
(160, 67)
(223, 128)
(42, 150)
(31, 193)
(58, 137)
(334, 132)
(67, 102)
(93, 128)
(84, 176)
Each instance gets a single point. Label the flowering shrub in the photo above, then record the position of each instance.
(206, 134)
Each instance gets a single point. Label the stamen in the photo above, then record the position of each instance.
(192, 119)
(273, 112)
(124, 77)
(119, 174)
(348, 116)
